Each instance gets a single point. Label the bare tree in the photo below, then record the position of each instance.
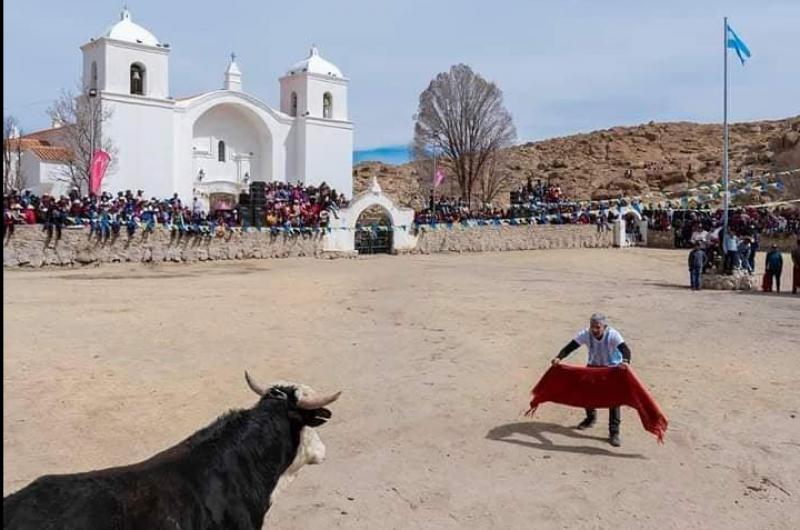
(82, 118)
(495, 178)
(461, 118)
(13, 179)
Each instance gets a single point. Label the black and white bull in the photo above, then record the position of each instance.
(222, 477)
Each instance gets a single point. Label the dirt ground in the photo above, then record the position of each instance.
(436, 356)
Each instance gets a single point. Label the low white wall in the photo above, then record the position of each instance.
(341, 238)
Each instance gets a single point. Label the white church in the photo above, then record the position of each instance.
(214, 144)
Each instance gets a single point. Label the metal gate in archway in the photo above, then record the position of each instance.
(633, 234)
(374, 232)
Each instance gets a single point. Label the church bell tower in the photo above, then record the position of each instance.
(127, 70)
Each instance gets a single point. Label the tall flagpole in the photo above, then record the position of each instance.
(433, 189)
(725, 134)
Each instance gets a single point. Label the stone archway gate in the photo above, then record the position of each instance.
(341, 237)
(620, 239)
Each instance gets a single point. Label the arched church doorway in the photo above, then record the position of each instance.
(374, 231)
(230, 145)
(221, 201)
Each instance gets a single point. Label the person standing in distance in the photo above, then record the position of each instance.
(796, 268)
(774, 267)
(697, 261)
(606, 348)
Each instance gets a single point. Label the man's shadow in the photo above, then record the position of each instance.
(537, 430)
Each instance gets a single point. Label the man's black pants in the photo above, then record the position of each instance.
(614, 417)
(775, 275)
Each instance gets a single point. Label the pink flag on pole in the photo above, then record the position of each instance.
(438, 178)
(97, 170)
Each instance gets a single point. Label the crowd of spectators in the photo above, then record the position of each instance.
(744, 222)
(298, 206)
(286, 206)
(535, 194)
(453, 211)
(539, 203)
(734, 250)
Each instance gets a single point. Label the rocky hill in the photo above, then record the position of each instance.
(654, 161)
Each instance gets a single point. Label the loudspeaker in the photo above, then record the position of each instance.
(258, 193)
(245, 215)
(258, 216)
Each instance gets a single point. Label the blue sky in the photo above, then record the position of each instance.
(565, 67)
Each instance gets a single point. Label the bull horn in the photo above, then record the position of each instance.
(317, 402)
(253, 386)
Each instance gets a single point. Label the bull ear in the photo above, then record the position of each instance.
(316, 422)
(253, 386)
(277, 393)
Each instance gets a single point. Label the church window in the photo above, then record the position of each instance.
(137, 79)
(294, 104)
(93, 80)
(221, 151)
(327, 105)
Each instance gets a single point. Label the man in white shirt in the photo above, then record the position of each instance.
(699, 236)
(606, 348)
(197, 206)
(730, 244)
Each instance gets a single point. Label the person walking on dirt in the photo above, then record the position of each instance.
(606, 348)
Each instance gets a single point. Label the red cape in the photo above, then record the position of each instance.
(599, 388)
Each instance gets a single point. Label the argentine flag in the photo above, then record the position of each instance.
(737, 44)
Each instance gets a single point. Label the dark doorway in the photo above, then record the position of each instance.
(633, 233)
(221, 201)
(374, 231)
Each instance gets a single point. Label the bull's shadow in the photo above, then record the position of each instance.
(537, 430)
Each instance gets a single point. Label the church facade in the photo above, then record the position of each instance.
(214, 144)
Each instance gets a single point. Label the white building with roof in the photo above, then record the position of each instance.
(214, 144)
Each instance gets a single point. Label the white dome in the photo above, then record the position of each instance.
(126, 30)
(315, 64)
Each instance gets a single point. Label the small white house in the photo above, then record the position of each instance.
(219, 141)
(42, 163)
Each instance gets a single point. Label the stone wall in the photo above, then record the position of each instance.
(659, 239)
(502, 238)
(738, 281)
(28, 246)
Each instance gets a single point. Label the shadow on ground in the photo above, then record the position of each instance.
(515, 433)
(786, 293)
(663, 285)
(162, 272)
